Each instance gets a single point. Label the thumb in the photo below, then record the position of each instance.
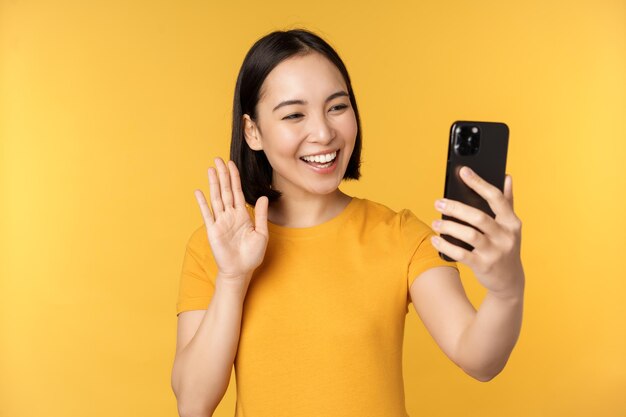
(260, 215)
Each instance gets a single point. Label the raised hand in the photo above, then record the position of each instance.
(495, 260)
(238, 246)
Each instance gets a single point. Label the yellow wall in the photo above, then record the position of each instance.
(112, 111)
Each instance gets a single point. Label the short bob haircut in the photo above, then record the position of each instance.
(269, 51)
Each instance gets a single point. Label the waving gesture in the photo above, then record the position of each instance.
(238, 245)
(495, 259)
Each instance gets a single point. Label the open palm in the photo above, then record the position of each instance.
(237, 244)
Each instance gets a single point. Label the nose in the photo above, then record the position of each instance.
(321, 130)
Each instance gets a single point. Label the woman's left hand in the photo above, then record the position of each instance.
(495, 259)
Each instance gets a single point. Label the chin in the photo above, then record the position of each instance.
(325, 190)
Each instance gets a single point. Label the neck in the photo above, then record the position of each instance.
(307, 211)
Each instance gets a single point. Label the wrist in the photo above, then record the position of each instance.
(515, 294)
(233, 283)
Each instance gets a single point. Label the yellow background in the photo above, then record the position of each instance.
(112, 111)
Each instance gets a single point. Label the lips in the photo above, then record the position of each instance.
(320, 161)
(321, 157)
(323, 167)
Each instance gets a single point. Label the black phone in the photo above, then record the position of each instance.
(482, 146)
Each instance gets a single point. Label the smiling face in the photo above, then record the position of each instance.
(304, 110)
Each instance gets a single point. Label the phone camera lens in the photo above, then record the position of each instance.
(467, 140)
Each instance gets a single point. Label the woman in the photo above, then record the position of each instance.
(306, 292)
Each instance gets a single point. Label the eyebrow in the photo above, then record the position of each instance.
(329, 98)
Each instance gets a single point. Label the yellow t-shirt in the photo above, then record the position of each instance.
(323, 318)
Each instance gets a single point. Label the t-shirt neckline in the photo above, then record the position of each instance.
(319, 229)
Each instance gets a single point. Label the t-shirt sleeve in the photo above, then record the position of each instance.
(197, 278)
(420, 252)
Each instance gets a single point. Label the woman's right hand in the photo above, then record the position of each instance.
(238, 245)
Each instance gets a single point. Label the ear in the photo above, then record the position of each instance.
(251, 133)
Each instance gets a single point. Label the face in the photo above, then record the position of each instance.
(304, 110)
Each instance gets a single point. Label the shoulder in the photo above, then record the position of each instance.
(198, 241)
(199, 250)
(402, 219)
(378, 211)
(401, 226)
(198, 234)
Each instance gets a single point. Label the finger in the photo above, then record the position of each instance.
(214, 188)
(204, 208)
(508, 189)
(464, 233)
(260, 215)
(489, 192)
(470, 215)
(225, 188)
(453, 251)
(235, 180)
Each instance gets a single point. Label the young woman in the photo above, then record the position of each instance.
(305, 289)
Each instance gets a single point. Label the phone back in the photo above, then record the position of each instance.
(483, 147)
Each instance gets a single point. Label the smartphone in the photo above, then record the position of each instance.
(482, 146)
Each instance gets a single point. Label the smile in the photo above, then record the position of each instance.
(321, 159)
(322, 163)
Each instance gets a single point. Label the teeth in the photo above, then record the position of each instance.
(321, 158)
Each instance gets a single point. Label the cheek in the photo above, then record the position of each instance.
(283, 141)
(348, 128)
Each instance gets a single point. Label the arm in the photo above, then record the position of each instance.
(486, 344)
(480, 342)
(207, 343)
(205, 352)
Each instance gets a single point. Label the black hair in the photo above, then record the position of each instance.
(266, 53)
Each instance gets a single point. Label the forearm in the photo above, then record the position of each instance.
(487, 342)
(202, 370)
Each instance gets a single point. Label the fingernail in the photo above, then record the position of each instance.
(436, 224)
(467, 172)
(440, 204)
(435, 240)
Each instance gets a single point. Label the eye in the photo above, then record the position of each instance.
(292, 116)
(339, 107)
